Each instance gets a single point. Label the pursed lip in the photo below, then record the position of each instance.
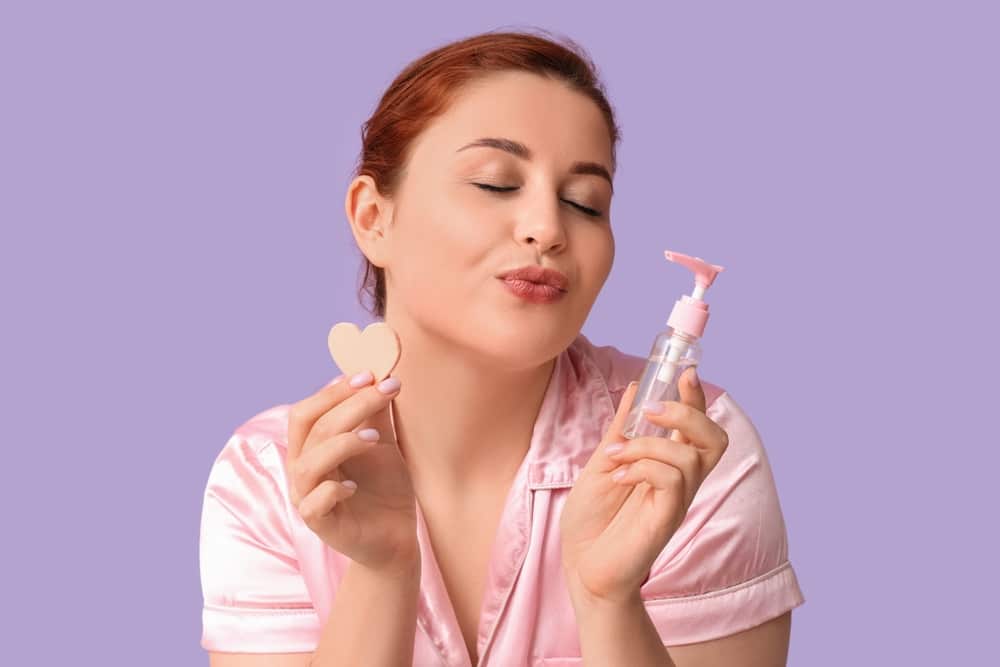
(537, 274)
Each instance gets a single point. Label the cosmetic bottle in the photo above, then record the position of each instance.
(674, 349)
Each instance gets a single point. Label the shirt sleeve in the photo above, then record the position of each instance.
(255, 598)
(726, 569)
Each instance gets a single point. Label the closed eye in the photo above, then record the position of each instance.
(495, 188)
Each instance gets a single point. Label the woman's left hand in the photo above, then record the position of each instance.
(613, 530)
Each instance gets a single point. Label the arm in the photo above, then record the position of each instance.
(619, 633)
(765, 645)
(612, 634)
(372, 622)
(373, 619)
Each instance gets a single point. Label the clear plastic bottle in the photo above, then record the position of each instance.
(674, 350)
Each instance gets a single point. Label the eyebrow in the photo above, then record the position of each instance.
(520, 150)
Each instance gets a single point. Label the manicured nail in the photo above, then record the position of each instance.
(614, 448)
(332, 382)
(361, 379)
(617, 475)
(350, 484)
(369, 434)
(654, 407)
(388, 385)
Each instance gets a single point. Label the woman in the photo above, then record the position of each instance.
(465, 511)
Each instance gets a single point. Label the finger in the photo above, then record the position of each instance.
(321, 500)
(616, 430)
(381, 420)
(661, 476)
(692, 393)
(368, 408)
(614, 434)
(304, 413)
(320, 460)
(695, 426)
(333, 381)
(689, 460)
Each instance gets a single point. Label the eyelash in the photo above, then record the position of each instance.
(493, 188)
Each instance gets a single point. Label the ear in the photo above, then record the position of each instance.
(370, 215)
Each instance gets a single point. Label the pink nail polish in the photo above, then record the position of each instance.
(369, 434)
(361, 379)
(388, 385)
(653, 407)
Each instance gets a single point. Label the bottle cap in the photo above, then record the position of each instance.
(690, 313)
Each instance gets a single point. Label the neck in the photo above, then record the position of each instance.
(463, 425)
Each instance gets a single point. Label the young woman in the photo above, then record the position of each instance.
(466, 510)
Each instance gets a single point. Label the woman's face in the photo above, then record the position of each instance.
(449, 239)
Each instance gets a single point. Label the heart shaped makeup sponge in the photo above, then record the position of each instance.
(375, 349)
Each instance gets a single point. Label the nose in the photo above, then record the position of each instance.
(541, 225)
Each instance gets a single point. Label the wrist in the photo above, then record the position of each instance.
(585, 602)
(581, 596)
(404, 566)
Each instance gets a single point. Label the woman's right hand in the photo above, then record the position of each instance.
(376, 523)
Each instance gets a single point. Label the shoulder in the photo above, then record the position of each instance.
(265, 429)
(745, 453)
(259, 443)
(252, 460)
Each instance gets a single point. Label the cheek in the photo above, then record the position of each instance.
(454, 228)
(445, 253)
(597, 253)
(462, 241)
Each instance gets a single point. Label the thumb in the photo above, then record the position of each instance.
(692, 394)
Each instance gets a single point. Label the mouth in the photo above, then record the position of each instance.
(538, 293)
(537, 276)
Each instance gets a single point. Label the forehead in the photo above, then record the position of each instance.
(556, 122)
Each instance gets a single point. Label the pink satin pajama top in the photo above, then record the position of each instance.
(268, 581)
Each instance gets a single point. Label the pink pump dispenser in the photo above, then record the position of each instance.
(674, 349)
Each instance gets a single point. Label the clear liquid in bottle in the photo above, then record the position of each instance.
(671, 354)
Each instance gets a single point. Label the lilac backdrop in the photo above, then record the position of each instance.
(175, 250)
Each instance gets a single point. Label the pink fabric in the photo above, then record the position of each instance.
(268, 581)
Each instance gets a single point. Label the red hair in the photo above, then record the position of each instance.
(425, 88)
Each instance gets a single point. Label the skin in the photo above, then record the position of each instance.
(462, 438)
(612, 529)
(440, 226)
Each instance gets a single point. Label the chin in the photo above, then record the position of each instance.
(523, 346)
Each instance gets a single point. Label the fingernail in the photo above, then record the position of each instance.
(614, 448)
(361, 379)
(655, 407)
(618, 474)
(388, 385)
(369, 434)
(694, 377)
(350, 484)
(333, 381)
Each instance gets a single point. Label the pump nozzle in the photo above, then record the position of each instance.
(690, 313)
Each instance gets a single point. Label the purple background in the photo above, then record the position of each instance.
(175, 251)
